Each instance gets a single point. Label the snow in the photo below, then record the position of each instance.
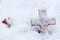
(21, 12)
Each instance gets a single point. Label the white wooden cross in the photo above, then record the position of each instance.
(42, 21)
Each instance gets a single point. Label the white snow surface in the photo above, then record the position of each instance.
(21, 13)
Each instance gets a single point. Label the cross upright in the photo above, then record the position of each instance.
(43, 21)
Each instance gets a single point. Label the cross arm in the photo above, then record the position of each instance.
(52, 21)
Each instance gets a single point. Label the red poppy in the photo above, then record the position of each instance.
(4, 21)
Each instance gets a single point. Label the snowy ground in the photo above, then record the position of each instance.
(21, 12)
